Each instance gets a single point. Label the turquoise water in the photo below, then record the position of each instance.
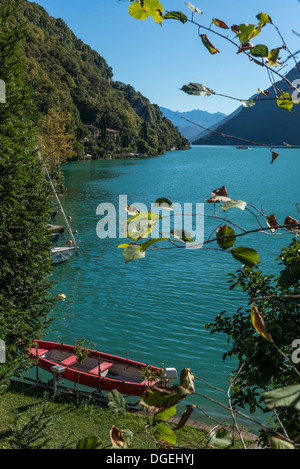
(155, 309)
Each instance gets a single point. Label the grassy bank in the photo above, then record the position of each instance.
(68, 422)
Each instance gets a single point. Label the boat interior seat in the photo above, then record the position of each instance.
(104, 366)
(39, 352)
(69, 361)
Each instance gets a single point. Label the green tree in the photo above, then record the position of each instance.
(273, 310)
(24, 210)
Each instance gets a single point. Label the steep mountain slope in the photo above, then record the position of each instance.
(69, 75)
(263, 123)
(190, 131)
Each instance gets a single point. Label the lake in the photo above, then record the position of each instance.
(155, 309)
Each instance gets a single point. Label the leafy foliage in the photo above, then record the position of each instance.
(69, 75)
(24, 209)
(275, 317)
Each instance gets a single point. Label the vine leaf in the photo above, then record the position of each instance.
(165, 203)
(293, 225)
(165, 415)
(218, 195)
(285, 101)
(176, 15)
(208, 44)
(193, 8)
(246, 256)
(149, 243)
(138, 12)
(273, 57)
(221, 438)
(271, 221)
(187, 380)
(116, 437)
(248, 103)
(132, 210)
(140, 226)
(165, 434)
(241, 204)
(263, 19)
(279, 443)
(141, 10)
(260, 50)
(197, 89)
(116, 402)
(182, 236)
(244, 31)
(220, 23)
(274, 156)
(225, 237)
(283, 397)
(258, 323)
(89, 442)
(132, 252)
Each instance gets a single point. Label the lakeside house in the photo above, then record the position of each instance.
(110, 133)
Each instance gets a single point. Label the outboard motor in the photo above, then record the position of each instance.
(170, 375)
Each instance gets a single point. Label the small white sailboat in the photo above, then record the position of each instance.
(61, 254)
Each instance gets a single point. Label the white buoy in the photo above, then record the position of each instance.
(60, 296)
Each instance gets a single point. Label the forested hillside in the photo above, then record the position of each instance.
(68, 75)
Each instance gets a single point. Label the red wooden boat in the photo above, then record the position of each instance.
(115, 372)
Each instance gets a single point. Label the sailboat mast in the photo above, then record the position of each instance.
(58, 201)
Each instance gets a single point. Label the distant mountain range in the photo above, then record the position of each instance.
(263, 123)
(190, 131)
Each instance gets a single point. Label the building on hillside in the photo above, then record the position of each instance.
(111, 134)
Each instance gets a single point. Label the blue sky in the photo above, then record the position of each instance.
(158, 61)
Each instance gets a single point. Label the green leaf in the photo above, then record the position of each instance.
(273, 57)
(163, 398)
(234, 204)
(279, 443)
(263, 18)
(165, 203)
(132, 252)
(228, 242)
(140, 226)
(149, 243)
(155, 9)
(116, 401)
(288, 396)
(176, 15)
(197, 89)
(182, 235)
(142, 10)
(165, 415)
(260, 50)
(221, 438)
(245, 32)
(247, 256)
(285, 101)
(138, 12)
(208, 44)
(90, 442)
(164, 433)
(128, 437)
